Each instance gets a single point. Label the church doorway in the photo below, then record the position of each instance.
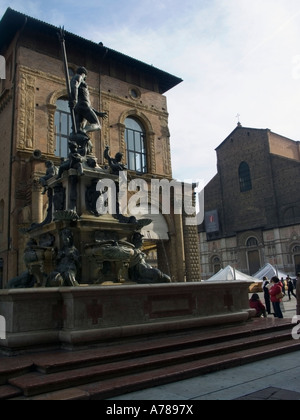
(296, 255)
(297, 264)
(254, 262)
(253, 255)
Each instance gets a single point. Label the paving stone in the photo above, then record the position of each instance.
(272, 394)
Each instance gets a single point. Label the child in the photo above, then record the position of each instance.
(255, 303)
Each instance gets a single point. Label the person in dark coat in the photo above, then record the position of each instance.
(266, 286)
(298, 294)
(290, 288)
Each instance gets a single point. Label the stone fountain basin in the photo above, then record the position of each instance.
(82, 316)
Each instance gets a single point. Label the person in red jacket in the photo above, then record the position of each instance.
(276, 296)
(298, 293)
(256, 303)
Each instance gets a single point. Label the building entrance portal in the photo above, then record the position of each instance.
(254, 262)
(297, 263)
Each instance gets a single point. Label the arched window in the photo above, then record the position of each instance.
(1, 222)
(292, 215)
(296, 250)
(252, 242)
(63, 126)
(245, 177)
(136, 147)
(1, 216)
(216, 263)
(1, 273)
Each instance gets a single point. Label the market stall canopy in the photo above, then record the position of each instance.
(269, 271)
(231, 274)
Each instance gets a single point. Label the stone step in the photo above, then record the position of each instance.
(113, 387)
(188, 347)
(13, 367)
(8, 392)
(61, 361)
(56, 361)
(118, 368)
(35, 383)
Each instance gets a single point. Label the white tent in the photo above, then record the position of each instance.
(269, 271)
(231, 274)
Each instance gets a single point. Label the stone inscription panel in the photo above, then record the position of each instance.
(169, 306)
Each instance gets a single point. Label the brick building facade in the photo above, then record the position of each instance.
(35, 123)
(252, 205)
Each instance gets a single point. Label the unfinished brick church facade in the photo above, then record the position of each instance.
(252, 205)
(35, 125)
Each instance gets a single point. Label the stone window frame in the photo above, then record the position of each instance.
(134, 113)
(62, 135)
(215, 261)
(52, 108)
(2, 210)
(134, 93)
(250, 242)
(149, 137)
(245, 178)
(138, 151)
(291, 215)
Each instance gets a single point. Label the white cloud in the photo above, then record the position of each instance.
(235, 56)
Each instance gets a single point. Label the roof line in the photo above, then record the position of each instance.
(173, 80)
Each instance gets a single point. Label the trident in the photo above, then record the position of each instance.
(61, 36)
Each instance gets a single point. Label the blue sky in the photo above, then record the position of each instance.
(235, 56)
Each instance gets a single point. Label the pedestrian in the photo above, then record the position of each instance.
(298, 294)
(266, 287)
(256, 303)
(276, 296)
(290, 288)
(282, 281)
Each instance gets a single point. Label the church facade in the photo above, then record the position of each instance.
(35, 126)
(252, 205)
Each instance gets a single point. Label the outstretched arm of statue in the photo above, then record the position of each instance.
(101, 114)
